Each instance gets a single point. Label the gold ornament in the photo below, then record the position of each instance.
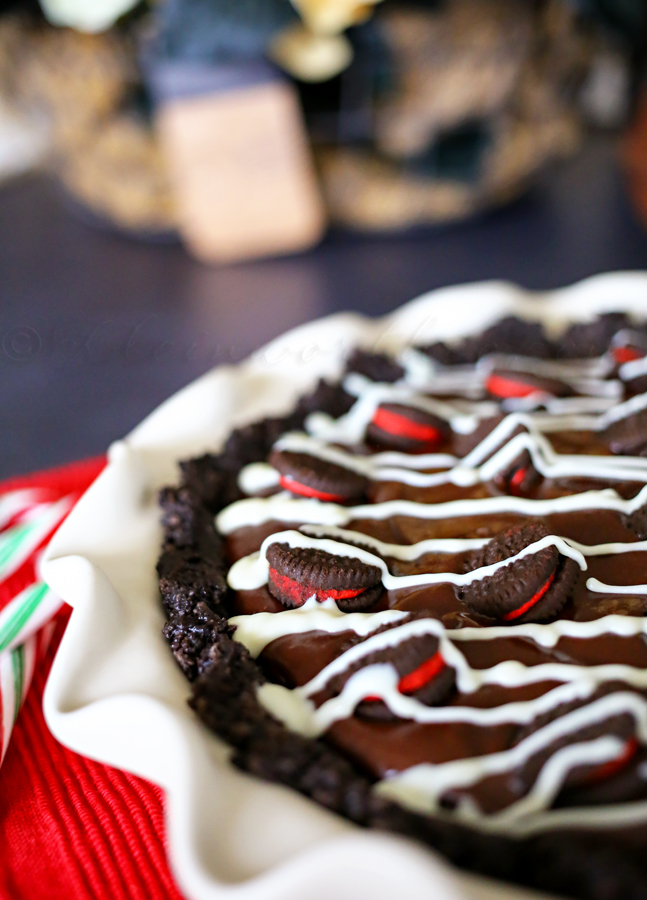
(311, 57)
(316, 49)
(333, 16)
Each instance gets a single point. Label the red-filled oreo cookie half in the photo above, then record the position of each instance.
(298, 573)
(505, 384)
(519, 478)
(423, 674)
(406, 428)
(533, 588)
(310, 476)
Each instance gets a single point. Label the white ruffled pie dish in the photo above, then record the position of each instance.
(115, 693)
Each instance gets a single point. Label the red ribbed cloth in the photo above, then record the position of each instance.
(72, 829)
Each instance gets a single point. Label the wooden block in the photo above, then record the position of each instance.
(242, 171)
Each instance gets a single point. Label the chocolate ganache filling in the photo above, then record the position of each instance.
(435, 610)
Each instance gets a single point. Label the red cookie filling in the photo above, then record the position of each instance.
(400, 425)
(530, 603)
(517, 479)
(626, 354)
(614, 766)
(303, 490)
(420, 677)
(504, 387)
(299, 593)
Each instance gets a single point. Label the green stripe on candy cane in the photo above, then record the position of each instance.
(19, 542)
(26, 613)
(18, 667)
(16, 502)
(12, 543)
(16, 670)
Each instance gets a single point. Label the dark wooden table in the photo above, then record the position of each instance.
(96, 330)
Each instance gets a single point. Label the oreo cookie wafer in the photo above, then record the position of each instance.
(509, 383)
(422, 670)
(298, 573)
(628, 436)
(310, 476)
(519, 478)
(531, 589)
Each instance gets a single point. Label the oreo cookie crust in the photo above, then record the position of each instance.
(225, 678)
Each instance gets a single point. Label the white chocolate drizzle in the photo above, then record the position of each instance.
(284, 507)
(421, 787)
(251, 571)
(633, 369)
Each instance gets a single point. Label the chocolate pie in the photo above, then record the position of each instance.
(425, 607)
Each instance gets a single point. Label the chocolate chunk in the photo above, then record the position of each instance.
(310, 476)
(635, 386)
(376, 366)
(406, 428)
(637, 522)
(513, 336)
(180, 515)
(532, 589)
(519, 478)
(296, 573)
(628, 436)
(444, 353)
(507, 383)
(326, 397)
(188, 576)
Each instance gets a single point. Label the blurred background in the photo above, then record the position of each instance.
(182, 180)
